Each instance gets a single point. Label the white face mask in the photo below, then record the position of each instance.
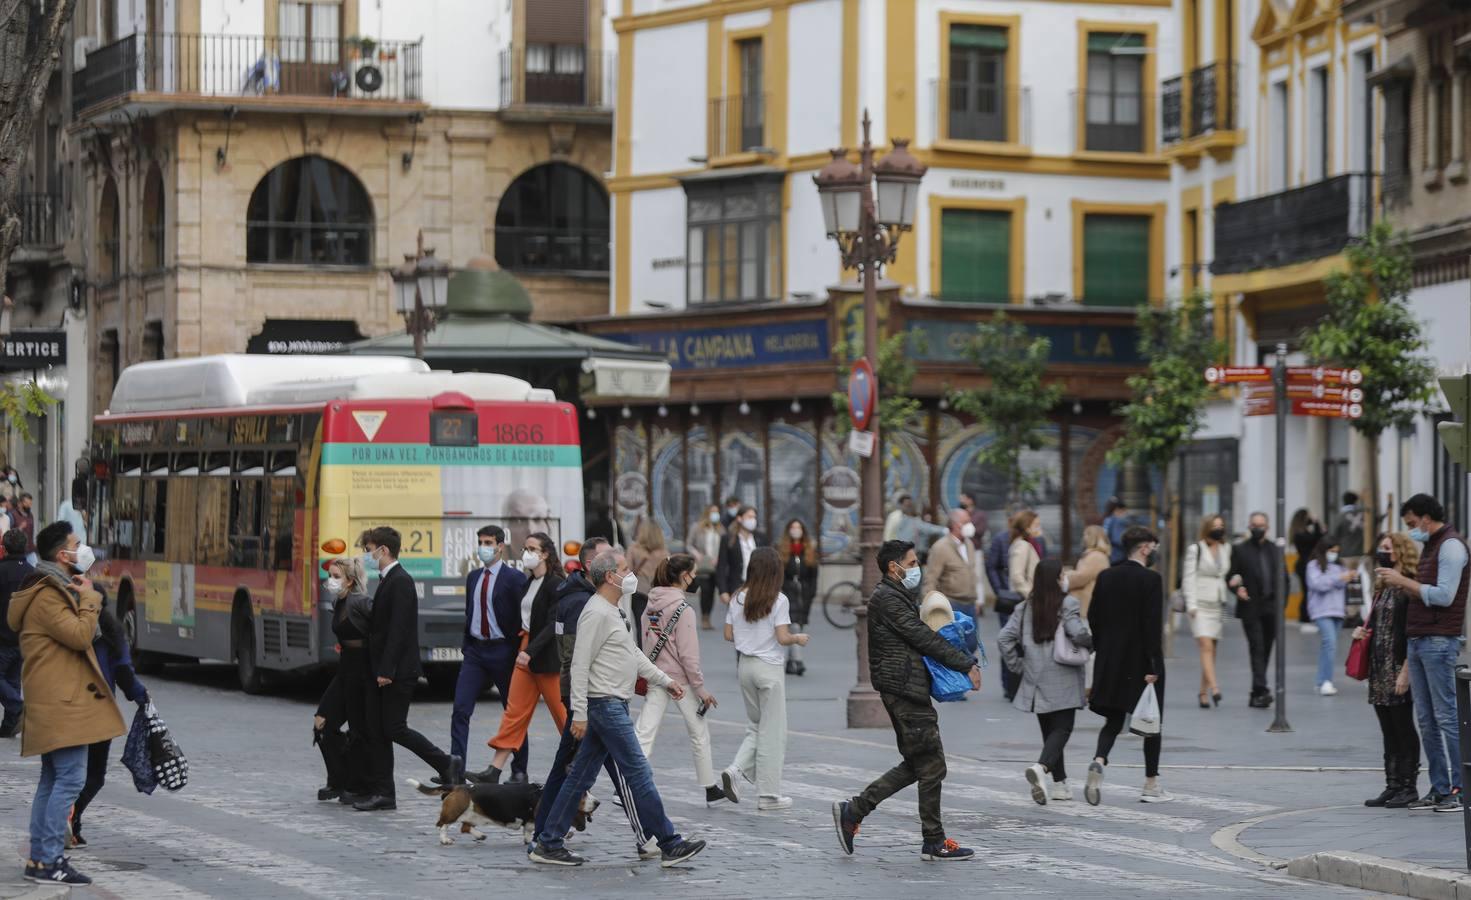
(630, 583)
(796, 533)
(968, 530)
(715, 518)
(84, 558)
(333, 586)
(1332, 556)
(370, 560)
(488, 555)
(530, 559)
(749, 523)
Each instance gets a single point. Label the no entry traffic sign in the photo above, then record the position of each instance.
(863, 389)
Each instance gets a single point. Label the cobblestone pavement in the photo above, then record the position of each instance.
(248, 825)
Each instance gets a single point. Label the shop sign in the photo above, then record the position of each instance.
(840, 486)
(1082, 344)
(33, 350)
(290, 337)
(735, 346)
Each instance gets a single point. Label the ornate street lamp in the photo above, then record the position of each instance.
(421, 291)
(868, 238)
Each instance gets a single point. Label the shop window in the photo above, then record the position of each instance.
(1116, 260)
(977, 95)
(734, 243)
(109, 231)
(975, 255)
(553, 218)
(153, 220)
(310, 211)
(1114, 93)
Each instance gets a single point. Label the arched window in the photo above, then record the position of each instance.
(153, 220)
(553, 218)
(310, 211)
(109, 227)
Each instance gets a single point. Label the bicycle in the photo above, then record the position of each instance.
(839, 602)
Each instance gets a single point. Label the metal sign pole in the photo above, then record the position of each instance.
(1279, 382)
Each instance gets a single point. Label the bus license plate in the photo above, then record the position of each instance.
(446, 654)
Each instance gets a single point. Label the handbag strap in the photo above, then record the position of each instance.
(666, 632)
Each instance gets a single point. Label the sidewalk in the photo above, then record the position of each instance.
(14, 887)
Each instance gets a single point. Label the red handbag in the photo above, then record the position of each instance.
(1357, 666)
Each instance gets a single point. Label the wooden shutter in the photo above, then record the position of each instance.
(1115, 260)
(556, 21)
(975, 256)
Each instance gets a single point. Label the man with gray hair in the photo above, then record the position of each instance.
(949, 568)
(605, 665)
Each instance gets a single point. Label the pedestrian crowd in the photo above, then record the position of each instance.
(586, 636)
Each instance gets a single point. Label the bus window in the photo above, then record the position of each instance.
(182, 536)
(122, 542)
(155, 518)
(245, 522)
(214, 521)
(283, 515)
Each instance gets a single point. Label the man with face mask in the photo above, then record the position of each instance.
(735, 552)
(492, 638)
(1256, 577)
(24, 519)
(68, 705)
(898, 642)
(950, 569)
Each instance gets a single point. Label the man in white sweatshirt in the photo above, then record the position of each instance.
(605, 665)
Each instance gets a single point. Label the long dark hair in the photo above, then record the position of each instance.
(554, 559)
(763, 583)
(112, 630)
(672, 569)
(1046, 600)
(809, 546)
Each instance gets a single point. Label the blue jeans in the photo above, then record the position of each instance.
(609, 734)
(1432, 662)
(63, 773)
(566, 751)
(1328, 627)
(10, 684)
(485, 661)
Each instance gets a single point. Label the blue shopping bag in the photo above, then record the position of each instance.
(946, 684)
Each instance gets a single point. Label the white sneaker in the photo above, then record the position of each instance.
(1061, 791)
(650, 850)
(771, 803)
(1327, 689)
(1154, 794)
(1093, 787)
(1037, 778)
(728, 780)
(1308, 628)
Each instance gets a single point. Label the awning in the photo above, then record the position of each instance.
(1403, 69)
(625, 379)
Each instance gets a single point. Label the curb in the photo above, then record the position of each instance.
(1386, 876)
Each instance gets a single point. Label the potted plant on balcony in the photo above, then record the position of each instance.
(363, 48)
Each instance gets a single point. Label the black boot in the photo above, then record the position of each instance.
(1408, 769)
(1391, 781)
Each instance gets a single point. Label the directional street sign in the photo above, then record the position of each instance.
(1309, 391)
(1323, 375)
(1238, 374)
(1326, 408)
(1259, 407)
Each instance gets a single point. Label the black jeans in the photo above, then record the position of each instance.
(917, 727)
(1057, 727)
(707, 594)
(1009, 679)
(1113, 723)
(1396, 724)
(388, 720)
(1261, 634)
(344, 702)
(97, 756)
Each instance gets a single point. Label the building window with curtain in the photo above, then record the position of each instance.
(309, 211)
(734, 244)
(553, 218)
(975, 256)
(978, 97)
(1116, 260)
(1114, 99)
(309, 36)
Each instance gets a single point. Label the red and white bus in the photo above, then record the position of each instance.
(224, 484)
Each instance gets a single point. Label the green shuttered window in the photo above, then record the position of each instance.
(975, 256)
(1115, 260)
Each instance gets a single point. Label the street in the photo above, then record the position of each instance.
(248, 824)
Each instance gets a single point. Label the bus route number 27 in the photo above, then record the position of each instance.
(507, 433)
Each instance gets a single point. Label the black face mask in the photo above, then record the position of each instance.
(1218, 534)
(1383, 560)
(1152, 559)
(1258, 533)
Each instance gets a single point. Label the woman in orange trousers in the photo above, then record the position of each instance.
(539, 664)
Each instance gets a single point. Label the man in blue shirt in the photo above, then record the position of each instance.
(1115, 523)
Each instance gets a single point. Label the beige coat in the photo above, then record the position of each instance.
(67, 700)
(1085, 576)
(945, 571)
(1022, 565)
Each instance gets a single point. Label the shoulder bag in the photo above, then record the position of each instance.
(641, 687)
(1064, 651)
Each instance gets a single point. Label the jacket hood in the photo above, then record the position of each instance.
(22, 599)
(666, 599)
(576, 583)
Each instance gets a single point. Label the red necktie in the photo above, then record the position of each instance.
(484, 605)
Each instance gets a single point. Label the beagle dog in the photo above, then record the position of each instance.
(506, 805)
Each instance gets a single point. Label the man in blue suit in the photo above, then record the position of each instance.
(493, 595)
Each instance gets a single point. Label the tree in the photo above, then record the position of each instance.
(895, 373)
(1369, 326)
(1168, 399)
(1014, 407)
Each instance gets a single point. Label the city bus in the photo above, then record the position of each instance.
(221, 487)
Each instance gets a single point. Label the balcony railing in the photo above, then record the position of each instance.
(42, 220)
(1112, 121)
(227, 65)
(965, 111)
(551, 249)
(737, 124)
(1292, 226)
(1199, 102)
(565, 77)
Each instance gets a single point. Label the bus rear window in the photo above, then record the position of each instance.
(453, 428)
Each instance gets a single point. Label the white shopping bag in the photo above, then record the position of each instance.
(1145, 719)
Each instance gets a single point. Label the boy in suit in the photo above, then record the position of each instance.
(492, 630)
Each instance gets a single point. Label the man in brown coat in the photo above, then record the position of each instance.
(68, 705)
(949, 569)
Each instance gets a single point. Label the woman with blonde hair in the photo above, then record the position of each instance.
(703, 543)
(345, 701)
(1096, 550)
(1026, 528)
(647, 552)
(1204, 584)
(1389, 678)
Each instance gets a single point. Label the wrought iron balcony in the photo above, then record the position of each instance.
(737, 124)
(227, 65)
(1292, 226)
(1199, 102)
(558, 76)
(42, 220)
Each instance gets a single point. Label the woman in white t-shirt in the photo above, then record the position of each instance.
(759, 622)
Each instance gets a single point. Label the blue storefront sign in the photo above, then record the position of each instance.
(735, 346)
(937, 340)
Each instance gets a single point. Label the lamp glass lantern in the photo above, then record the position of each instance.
(898, 176)
(404, 284)
(432, 275)
(840, 187)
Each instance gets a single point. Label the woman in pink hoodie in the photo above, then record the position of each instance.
(672, 641)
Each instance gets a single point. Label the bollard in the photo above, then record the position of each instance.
(1463, 713)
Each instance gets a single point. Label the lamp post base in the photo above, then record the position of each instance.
(865, 707)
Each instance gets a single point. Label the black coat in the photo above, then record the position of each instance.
(14, 571)
(898, 642)
(728, 574)
(546, 659)
(1246, 560)
(393, 635)
(1127, 620)
(800, 585)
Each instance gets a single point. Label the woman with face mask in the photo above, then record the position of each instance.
(1327, 598)
(703, 543)
(798, 552)
(1204, 584)
(1052, 690)
(742, 538)
(538, 665)
(344, 702)
(1389, 678)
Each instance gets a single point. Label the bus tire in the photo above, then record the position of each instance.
(247, 665)
(144, 663)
